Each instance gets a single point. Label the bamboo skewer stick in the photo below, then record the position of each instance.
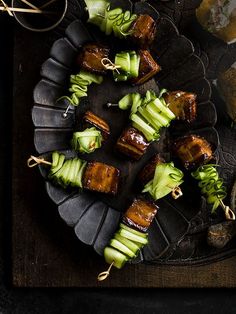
(31, 5)
(6, 8)
(47, 4)
(24, 10)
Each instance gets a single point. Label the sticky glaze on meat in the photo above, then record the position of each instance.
(93, 120)
(143, 30)
(147, 173)
(182, 104)
(192, 150)
(89, 59)
(101, 178)
(132, 143)
(147, 68)
(140, 214)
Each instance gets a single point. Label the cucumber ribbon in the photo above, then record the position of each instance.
(87, 141)
(212, 187)
(167, 179)
(79, 86)
(148, 114)
(110, 20)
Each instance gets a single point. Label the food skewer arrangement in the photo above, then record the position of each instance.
(149, 114)
(137, 67)
(195, 153)
(75, 172)
(134, 66)
(94, 63)
(141, 29)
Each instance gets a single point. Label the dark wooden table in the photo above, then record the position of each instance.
(45, 252)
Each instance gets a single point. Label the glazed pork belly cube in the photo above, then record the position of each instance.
(140, 214)
(91, 119)
(192, 150)
(90, 58)
(102, 178)
(182, 104)
(147, 173)
(132, 143)
(143, 30)
(147, 68)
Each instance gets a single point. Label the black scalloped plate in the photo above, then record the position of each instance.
(95, 217)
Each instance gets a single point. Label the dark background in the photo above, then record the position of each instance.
(25, 301)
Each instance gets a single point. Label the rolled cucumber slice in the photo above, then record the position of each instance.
(129, 244)
(147, 116)
(141, 234)
(156, 114)
(111, 255)
(134, 64)
(123, 60)
(143, 127)
(122, 248)
(164, 109)
(137, 102)
(131, 236)
(125, 102)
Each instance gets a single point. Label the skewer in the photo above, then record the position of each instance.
(65, 114)
(176, 192)
(229, 214)
(37, 161)
(31, 5)
(10, 9)
(109, 104)
(109, 65)
(6, 8)
(47, 4)
(103, 275)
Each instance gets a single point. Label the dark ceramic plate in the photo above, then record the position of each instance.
(95, 217)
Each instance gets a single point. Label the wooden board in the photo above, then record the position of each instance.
(45, 252)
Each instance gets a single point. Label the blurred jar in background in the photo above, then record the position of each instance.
(219, 18)
(226, 85)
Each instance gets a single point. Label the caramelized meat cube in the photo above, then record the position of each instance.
(193, 151)
(140, 214)
(143, 30)
(182, 104)
(132, 143)
(147, 173)
(90, 58)
(93, 120)
(100, 177)
(147, 68)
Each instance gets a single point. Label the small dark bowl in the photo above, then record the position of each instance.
(40, 22)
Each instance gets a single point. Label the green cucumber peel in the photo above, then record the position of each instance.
(122, 248)
(67, 172)
(166, 178)
(79, 86)
(96, 10)
(143, 127)
(210, 184)
(125, 102)
(139, 233)
(148, 117)
(129, 244)
(163, 109)
(87, 141)
(131, 236)
(113, 256)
